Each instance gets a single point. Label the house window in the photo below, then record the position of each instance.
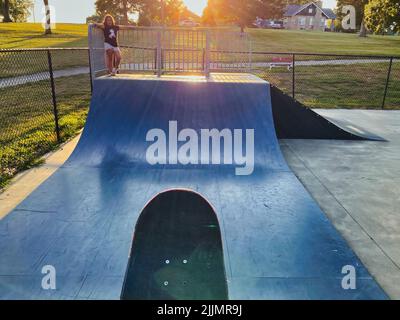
(302, 21)
(311, 21)
(322, 22)
(310, 10)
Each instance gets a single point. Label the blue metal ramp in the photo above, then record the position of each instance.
(277, 243)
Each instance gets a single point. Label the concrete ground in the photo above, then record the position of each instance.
(357, 184)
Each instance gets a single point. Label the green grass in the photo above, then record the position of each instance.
(359, 86)
(323, 42)
(30, 35)
(27, 129)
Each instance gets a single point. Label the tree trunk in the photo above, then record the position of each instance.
(163, 13)
(125, 8)
(6, 11)
(242, 27)
(48, 21)
(363, 30)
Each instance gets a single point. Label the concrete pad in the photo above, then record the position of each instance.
(357, 186)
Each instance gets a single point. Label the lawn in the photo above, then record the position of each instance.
(30, 35)
(323, 42)
(24, 35)
(359, 86)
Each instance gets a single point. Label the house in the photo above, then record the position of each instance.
(310, 16)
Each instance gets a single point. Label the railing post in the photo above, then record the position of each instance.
(387, 82)
(207, 55)
(250, 57)
(159, 54)
(294, 76)
(53, 93)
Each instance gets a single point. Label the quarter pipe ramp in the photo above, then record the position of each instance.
(276, 241)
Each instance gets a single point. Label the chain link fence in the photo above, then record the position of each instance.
(333, 81)
(44, 98)
(45, 93)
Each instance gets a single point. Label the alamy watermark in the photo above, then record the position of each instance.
(49, 280)
(188, 147)
(349, 20)
(349, 281)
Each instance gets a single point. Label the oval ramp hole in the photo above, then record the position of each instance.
(182, 228)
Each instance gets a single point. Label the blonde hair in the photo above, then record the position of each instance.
(108, 16)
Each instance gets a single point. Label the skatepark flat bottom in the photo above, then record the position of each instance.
(276, 241)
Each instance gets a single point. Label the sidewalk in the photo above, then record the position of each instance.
(29, 78)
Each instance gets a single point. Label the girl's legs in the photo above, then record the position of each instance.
(117, 59)
(110, 60)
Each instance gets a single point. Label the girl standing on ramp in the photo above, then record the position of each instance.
(113, 52)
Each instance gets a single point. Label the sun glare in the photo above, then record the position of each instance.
(197, 6)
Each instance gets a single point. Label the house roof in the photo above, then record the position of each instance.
(294, 9)
(291, 10)
(329, 13)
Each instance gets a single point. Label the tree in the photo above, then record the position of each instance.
(151, 12)
(6, 11)
(121, 10)
(159, 12)
(242, 13)
(208, 18)
(48, 20)
(15, 10)
(382, 16)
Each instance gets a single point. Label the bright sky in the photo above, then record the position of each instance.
(76, 11)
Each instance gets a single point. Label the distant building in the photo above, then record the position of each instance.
(310, 16)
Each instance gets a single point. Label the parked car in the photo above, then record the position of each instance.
(275, 24)
(268, 24)
(189, 23)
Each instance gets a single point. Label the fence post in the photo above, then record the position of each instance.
(53, 93)
(159, 53)
(387, 83)
(203, 60)
(207, 55)
(294, 76)
(90, 70)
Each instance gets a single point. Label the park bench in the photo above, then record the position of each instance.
(281, 62)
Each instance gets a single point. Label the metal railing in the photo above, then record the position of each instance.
(174, 50)
(332, 80)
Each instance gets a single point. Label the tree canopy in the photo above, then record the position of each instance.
(17, 11)
(149, 12)
(119, 9)
(383, 15)
(242, 12)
